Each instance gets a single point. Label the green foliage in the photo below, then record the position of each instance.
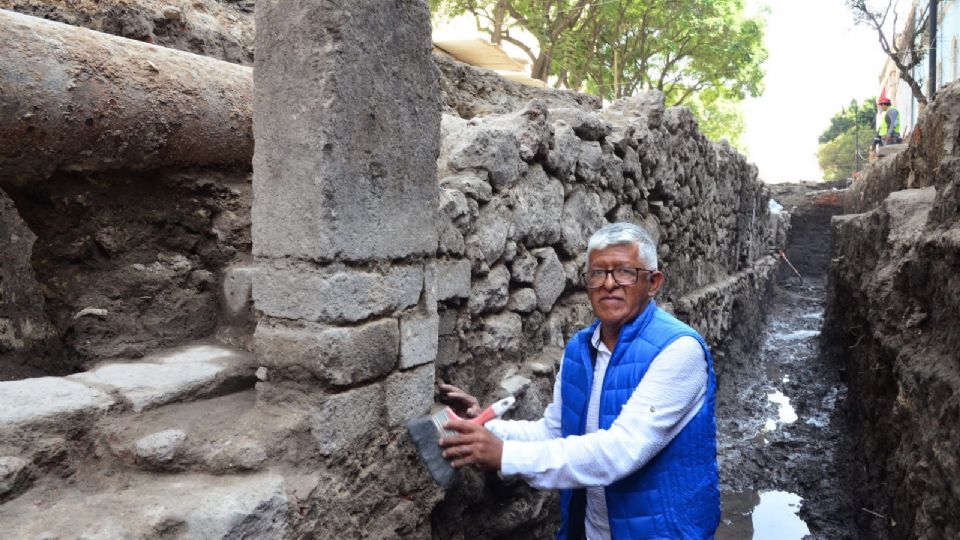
(837, 153)
(865, 114)
(680, 47)
(838, 157)
(719, 116)
(703, 53)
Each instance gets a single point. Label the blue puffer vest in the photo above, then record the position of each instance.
(676, 494)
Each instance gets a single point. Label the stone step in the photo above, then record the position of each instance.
(891, 149)
(179, 374)
(187, 506)
(222, 435)
(183, 373)
(48, 423)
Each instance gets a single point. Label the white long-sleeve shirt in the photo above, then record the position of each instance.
(667, 398)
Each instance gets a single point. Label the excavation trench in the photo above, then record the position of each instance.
(780, 434)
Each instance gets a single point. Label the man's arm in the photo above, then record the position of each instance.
(670, 394)
(543, 429)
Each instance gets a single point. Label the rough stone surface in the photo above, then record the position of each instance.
(335, 294)
(336, 355)
(48, 399)
(500, 332)
(171, 375)
(341, 420)
(549, 280)
(419, 338)
(408, 394)
(524, 268)
(14, 473)
(522, 300)
(160, 448)
(238, 291)
(538, 207)
(492, 228)
(453, 279)
(490, 293)
(193, 506)
(333, 208)
(490, 148)
(582, 215)
(470, 184)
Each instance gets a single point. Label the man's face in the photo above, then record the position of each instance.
(616, 305)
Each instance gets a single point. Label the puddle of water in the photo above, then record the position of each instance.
(787, 413)
(795, 336)
(767, 515)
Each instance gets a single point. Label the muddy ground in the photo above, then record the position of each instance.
(774, 454)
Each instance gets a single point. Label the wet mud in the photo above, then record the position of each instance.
(782, 444)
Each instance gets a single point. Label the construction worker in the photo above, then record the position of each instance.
(890, 125)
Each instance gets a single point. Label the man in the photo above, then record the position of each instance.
(890, 124)
(630, 437)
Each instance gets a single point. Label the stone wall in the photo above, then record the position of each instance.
(891, 321)
(520, 194)
(394, 247)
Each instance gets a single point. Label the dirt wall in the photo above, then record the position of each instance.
(891, 320)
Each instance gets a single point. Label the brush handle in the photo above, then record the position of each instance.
(494, 411)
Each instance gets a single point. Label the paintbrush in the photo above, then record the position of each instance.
(426, 431)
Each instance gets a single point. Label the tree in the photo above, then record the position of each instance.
(906, 49)
(702, 53)
(552, 22)
(719, 117)
(840, 153)
(680, 47)
(864, 114)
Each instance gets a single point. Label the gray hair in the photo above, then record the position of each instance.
(625, 233)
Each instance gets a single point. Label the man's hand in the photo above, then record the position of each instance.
(461, 402)
(475, 445)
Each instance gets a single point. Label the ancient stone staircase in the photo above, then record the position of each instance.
(81, 454)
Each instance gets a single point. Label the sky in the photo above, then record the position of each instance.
(818, 60)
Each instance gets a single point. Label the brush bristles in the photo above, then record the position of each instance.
(438, 420)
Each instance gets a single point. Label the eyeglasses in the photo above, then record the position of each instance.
(625, 275)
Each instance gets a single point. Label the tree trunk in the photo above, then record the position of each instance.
(541, 67)
(75, 99)
(499, 14)
(618, 91)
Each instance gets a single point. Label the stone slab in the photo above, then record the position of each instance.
(453, 279)
(339, 421)
(47, 398)
(197, 507)
(168, 376)
(419, 336)
(238, 290)
(409, 394)
(340, 356)
(335, 294)
(348, 131)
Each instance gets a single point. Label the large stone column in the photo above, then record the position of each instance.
(347, 125)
